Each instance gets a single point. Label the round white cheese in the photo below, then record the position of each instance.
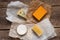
(21, 29)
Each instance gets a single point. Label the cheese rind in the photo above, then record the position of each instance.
(39, 13)
(37, 30)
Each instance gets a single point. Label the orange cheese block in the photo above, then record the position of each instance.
(37, 30)
(39, 13)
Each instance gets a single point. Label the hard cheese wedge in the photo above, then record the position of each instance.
(37, 30)
(39, 13)
(21, 13)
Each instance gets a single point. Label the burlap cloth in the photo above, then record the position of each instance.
(33, 5)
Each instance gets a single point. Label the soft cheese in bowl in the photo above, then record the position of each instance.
(21, 29)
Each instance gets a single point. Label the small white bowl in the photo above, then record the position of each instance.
(22, 29)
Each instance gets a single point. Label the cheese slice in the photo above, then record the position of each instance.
(39, 13)
(37, 30)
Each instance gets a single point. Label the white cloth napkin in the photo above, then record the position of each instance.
(45, 25)
(12, 9)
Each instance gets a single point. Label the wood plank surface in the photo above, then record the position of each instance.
(55, 16)
(52, 2)
(14, 0)
(58, 34)
(4, 35)
(5, 25)
(3, 3)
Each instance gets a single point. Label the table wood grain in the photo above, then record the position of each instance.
(5, 25)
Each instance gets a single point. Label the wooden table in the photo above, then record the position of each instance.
(5, 25)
